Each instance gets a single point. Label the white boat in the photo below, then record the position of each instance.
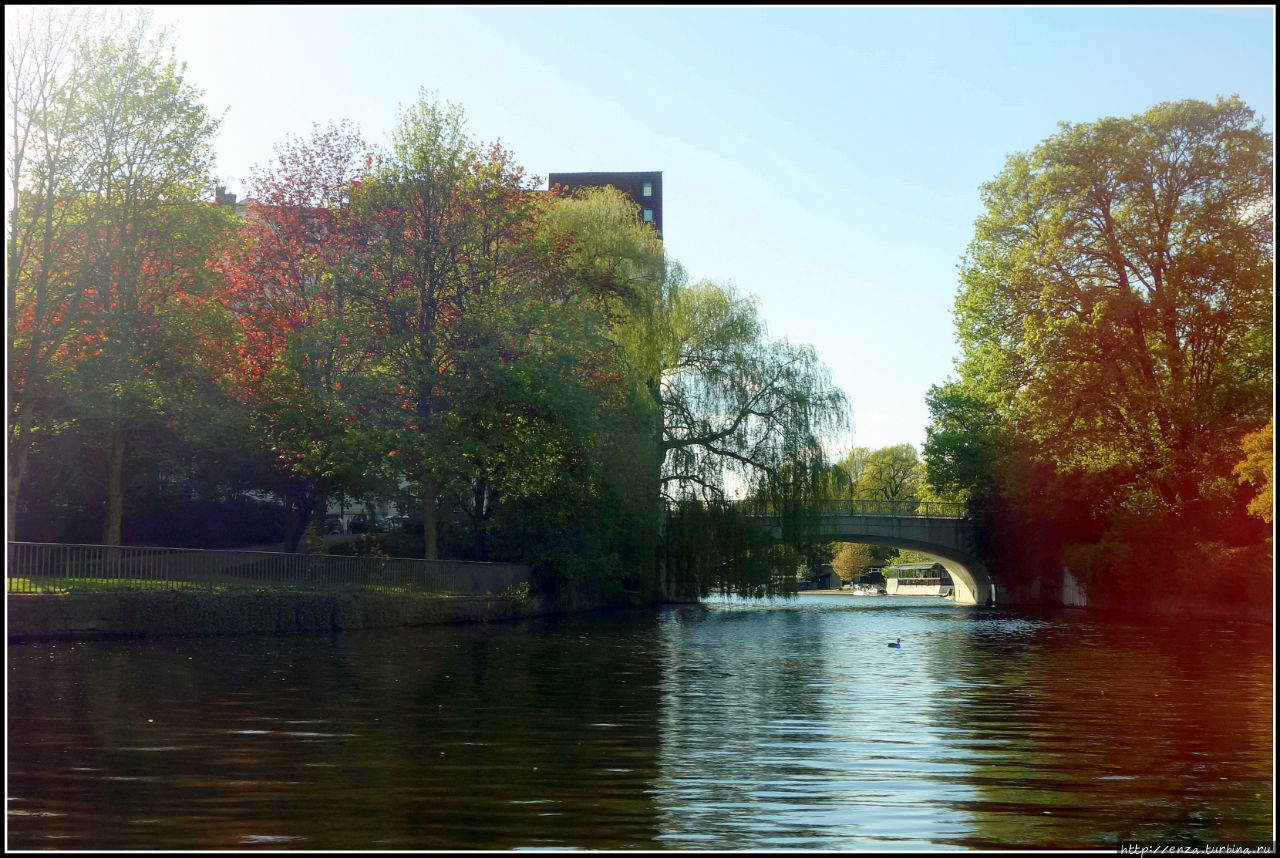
(920, 579)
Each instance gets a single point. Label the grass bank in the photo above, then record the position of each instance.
(142, 613)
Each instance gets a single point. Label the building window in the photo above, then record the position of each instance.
(648, 215)
(646, 190)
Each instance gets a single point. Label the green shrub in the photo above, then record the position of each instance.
(518, 594)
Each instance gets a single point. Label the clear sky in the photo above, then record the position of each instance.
(824, 159)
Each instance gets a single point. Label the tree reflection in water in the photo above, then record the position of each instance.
(732, 725)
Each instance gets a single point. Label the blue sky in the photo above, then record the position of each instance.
(826, 160)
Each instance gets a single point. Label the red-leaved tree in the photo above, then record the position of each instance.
(286, 288)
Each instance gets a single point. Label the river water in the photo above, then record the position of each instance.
(730, 725)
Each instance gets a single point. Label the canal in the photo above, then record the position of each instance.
(731, 725)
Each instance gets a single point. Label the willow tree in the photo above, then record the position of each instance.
(735, 404)
(742, 411)
(724, 407)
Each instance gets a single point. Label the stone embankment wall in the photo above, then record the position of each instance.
(161, 613)
(1218, 601)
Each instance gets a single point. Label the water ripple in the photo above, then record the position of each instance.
(781, 725)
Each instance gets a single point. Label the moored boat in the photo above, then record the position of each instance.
(919, 579)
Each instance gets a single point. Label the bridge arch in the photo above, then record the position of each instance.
(972, 581)
(937, 530)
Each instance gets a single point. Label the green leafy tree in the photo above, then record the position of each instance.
(1116, 299)
(435, 224)
(43, 64)
(890, 473)
(851, 558)
(852, 466)
(1115, 318)
(887, 473)
(109, 247)
(144, 143)
(962, 442)
(612, 272)
(486, 341)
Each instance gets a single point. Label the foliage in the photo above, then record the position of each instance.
(891, 473)
(734, 402)
(1115, 317)
(527, 374)
(517, 594)
(41, 59)
(444, 268)
(902, 555)
(283, 287)
(593, 527)
(113, 336)
(717, 545)
(962, 441)
(850, 559)
(1116, 289)
(738, 406)
(1258, 467)
(369, 545)
(887, 473)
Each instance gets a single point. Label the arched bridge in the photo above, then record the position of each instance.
(939, 530)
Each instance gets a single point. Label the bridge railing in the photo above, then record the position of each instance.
(55, 568)
(897, 508)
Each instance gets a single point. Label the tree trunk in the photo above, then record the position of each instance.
(17, 470)
(657, 437)
(300, 505)
(291, 531)
(480, 521)
(306, 506)
(115, 488)
(319, 512)
(430, 548)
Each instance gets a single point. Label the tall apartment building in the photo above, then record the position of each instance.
(644, 188)
(222, 198)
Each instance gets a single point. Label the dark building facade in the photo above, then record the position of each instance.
(644, 188)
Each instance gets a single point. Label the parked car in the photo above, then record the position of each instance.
(333, 524)
(367, 524)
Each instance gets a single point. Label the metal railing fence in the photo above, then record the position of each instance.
(58, 568)
(901, 508)
(846, 506)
